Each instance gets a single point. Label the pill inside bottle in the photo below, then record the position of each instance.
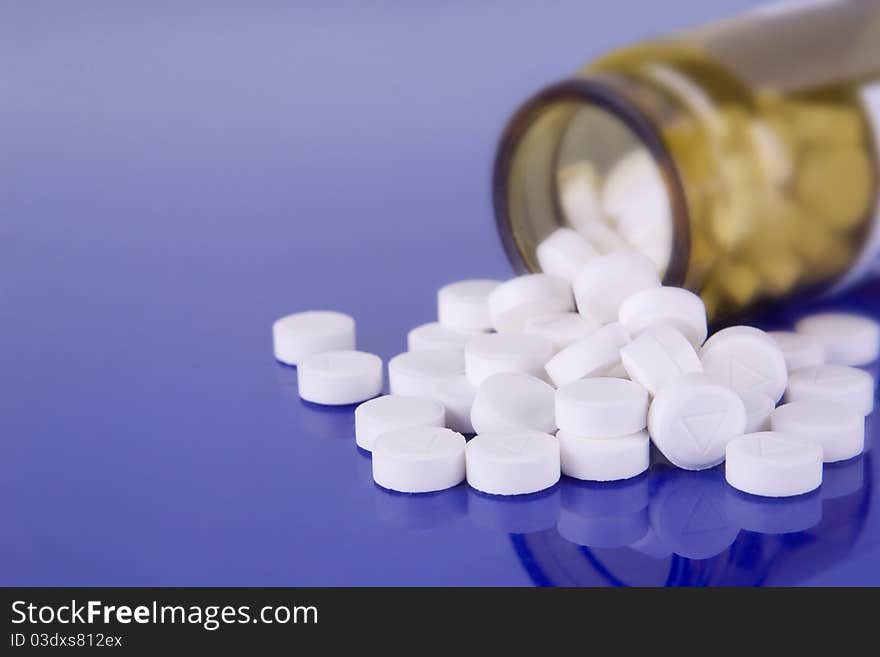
(739, 158)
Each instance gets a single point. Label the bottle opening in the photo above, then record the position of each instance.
(580, 171)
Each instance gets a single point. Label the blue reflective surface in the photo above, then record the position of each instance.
(172, 180)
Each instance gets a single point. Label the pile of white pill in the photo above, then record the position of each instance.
(577, 372)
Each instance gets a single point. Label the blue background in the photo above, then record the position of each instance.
(174, 176)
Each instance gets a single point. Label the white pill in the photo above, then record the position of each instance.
(457, 396)
(745, 358)
(392, 412)
(838, 429)
(335, 378)
(436, 336)
(692, 419)
(562, 329)
(602, 284)
(563, 252)
(634, 196)
(593, 355)
(523, 297)
(844, 385)
(602, 407)
(758, 408)
(658, 356)
(772, 464)
(464, 306)
(300, 335)
(512, 462)
(579, 193)
(604, 459)
(511, 400)
(419, 459)
(416, 372)
(798, 349)
(504, 352)
(848, 339)
(673, 306)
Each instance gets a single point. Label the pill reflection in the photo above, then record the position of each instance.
(420, 510)
(842, 479)
(327, 422)
(689, 515)
(516, 514)
(609, 514)
(650, 545)
(773, 516)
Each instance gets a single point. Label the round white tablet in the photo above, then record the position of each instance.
(419, 459)
(464, 306)
(515, 301)
(844, 385)
(436, 336)
(562, 329)
(457, 395)
(512, 462)
(799, 349)
(658, 356)
(602, 284)
(391, 412)
(635, 198)
(504, 352)
(563, 252)
(335, 378)
(758, 408)
(745, 358)
(593, 355)
(602, 407)
(300, 335)
(416, 372)
(692, 419)
(848, 339)
(511, 400)
(579, 192)
(772, 464)
(673, 306)
(838, 429)
(604, 459)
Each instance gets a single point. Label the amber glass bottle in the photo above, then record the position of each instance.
(741, 157)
